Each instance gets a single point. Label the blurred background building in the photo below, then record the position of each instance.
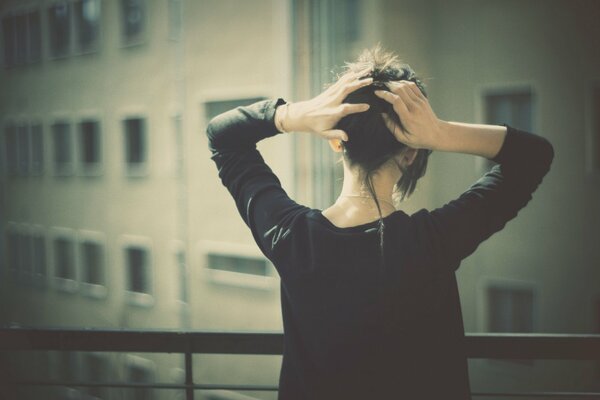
(112, 214)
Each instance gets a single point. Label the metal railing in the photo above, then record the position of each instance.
(480, 345)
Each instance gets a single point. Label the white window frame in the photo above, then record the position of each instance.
(592, 172)
(131, 297)
(135, 171)
(64, 284)
(268, 282)
(499, 88)
(88, 289)
(80, 168)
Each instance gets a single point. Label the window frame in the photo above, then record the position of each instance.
(481, 91)
(131, 297)
(80, 168)
(142, 38)
(48, 26)
(36, 278)
(92, 290)
(269, 282)
(141, 170)
(70, 169)
(68, 285)
(95, 48)
(484, 317)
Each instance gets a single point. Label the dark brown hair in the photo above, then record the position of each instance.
(370, 143)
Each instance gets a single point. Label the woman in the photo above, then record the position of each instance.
(369, 297)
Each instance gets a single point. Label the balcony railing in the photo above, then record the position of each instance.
(480, 345)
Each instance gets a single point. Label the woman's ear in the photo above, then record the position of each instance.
(336, 145)
(407, 156)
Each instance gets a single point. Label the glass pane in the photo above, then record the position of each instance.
(37, 149)
(89, 142)
(136, 261)
(34, 36)
(63, 261)
(133, 16)
(59, 25)
(135, 141)
(87, 15)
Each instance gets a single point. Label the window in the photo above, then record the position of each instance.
(96, 368)
(511, 310)
(63, 148)
(37, 149)
(24, 257)
(64, 262)
(39, 256)
(59, 29)
(140, 370)
(22, 38)
(12, 250)
(135, 145)
(214, 108)
(92, 267)
(90, 149)
(10, 147)
(239, 266)
(513, 108)
(133, 24)
(137, 267)
(67, 369)
(87, 21)
(23, 149)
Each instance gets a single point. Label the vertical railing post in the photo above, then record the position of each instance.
(189, 371)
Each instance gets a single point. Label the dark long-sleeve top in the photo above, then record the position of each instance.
(353, 330)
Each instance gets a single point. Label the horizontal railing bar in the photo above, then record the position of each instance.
(561, 395)
(181, 386)
(478, 345)
(275, 388)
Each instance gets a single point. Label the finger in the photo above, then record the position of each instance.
(335, 134)
(395, 100)
(395, 129)
(413, 90)
(417, 91)
(347, 109)
(402, 90)
(355, 85)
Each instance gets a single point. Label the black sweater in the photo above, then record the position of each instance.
(351, 329)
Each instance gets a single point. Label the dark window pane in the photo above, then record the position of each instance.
(93, 264)
(20, 38)
(62, 146)
(13, 250)
(37, 149)
(9, 33)
(133, 16)
(87, 16)
(253, 266)
(214, 108)
(63, 258)
(58, 21)
(34, 36)
(136, 264)
(39, 255)
(97, 370)
(25, 254)
(135, 141)
(10, 140)
(23, 150)
(89, 142)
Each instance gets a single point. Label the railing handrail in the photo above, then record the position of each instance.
(561, 346)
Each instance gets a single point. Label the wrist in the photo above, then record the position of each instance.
(280, 114)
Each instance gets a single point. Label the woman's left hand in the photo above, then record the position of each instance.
(321, 113)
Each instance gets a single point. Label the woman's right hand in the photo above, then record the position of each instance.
(422, 129)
